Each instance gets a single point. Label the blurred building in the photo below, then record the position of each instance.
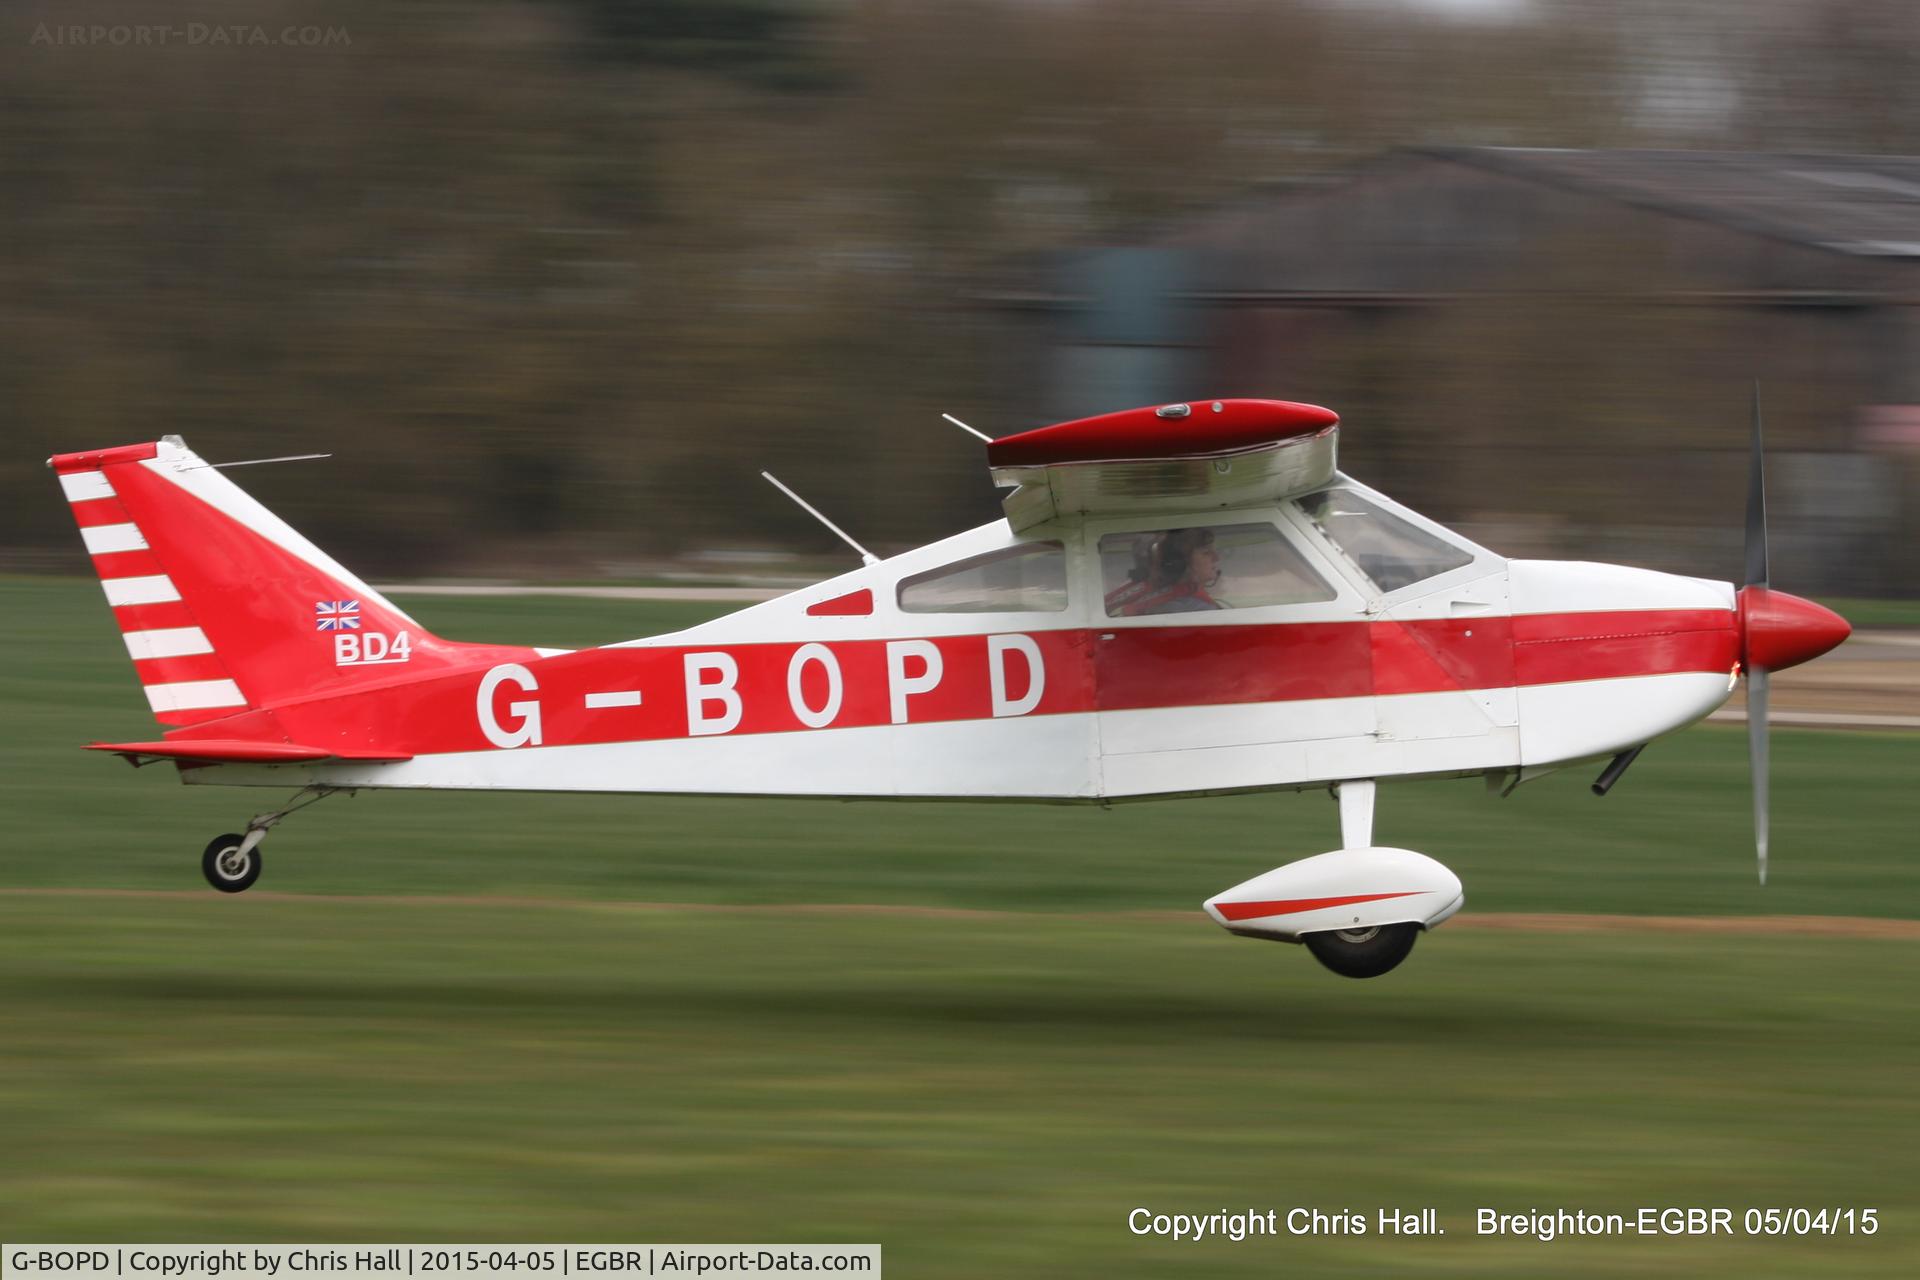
(1552, 347)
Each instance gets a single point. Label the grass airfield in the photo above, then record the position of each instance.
(992, 1086)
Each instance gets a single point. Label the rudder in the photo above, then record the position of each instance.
(224, 607)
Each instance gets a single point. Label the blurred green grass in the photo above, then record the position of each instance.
(1674, 837)
(981, 1094)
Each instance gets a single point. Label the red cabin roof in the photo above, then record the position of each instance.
(1166, 431)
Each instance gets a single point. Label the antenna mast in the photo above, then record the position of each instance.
(866, 556)
(258, 462)
(978, 435)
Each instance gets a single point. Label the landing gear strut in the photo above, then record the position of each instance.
(231, 863)
(1358, 909)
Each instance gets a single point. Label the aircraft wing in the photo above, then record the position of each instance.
(1174, 458)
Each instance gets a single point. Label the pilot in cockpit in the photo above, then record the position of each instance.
(1175, 572)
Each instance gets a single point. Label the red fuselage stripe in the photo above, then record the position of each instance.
(1128, 668)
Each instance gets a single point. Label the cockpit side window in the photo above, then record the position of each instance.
(1388, 550)
(1028, 578)
(1203, 568)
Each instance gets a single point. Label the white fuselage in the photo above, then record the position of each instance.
(1493, 666)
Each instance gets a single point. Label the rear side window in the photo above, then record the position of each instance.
(1029, 578)
(1388, 550)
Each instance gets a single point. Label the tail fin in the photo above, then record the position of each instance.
(223, 606)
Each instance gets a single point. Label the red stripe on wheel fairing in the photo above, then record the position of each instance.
(1293, 906)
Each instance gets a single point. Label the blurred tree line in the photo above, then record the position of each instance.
(555, 278)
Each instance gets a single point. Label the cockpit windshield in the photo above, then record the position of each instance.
(1388, 550)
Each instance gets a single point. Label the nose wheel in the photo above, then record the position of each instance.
(232, 862)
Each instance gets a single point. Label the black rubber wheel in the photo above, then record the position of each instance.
(1363, 953)
(225, 868)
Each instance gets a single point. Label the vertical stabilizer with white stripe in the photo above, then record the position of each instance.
(223, 606)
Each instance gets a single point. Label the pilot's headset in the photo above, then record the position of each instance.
(1173, 552)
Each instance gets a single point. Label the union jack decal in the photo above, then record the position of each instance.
(336, 615)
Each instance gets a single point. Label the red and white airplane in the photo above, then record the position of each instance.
(1182, 600)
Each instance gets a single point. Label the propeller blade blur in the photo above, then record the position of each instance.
(1757, 675)
(1757, 679)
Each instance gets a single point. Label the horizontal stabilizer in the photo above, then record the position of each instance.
(234, 751)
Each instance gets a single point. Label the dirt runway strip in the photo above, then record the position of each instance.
(1512, 922)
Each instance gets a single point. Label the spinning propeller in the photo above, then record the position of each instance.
(1776, 630)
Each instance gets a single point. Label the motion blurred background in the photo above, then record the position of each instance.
(553, 279)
